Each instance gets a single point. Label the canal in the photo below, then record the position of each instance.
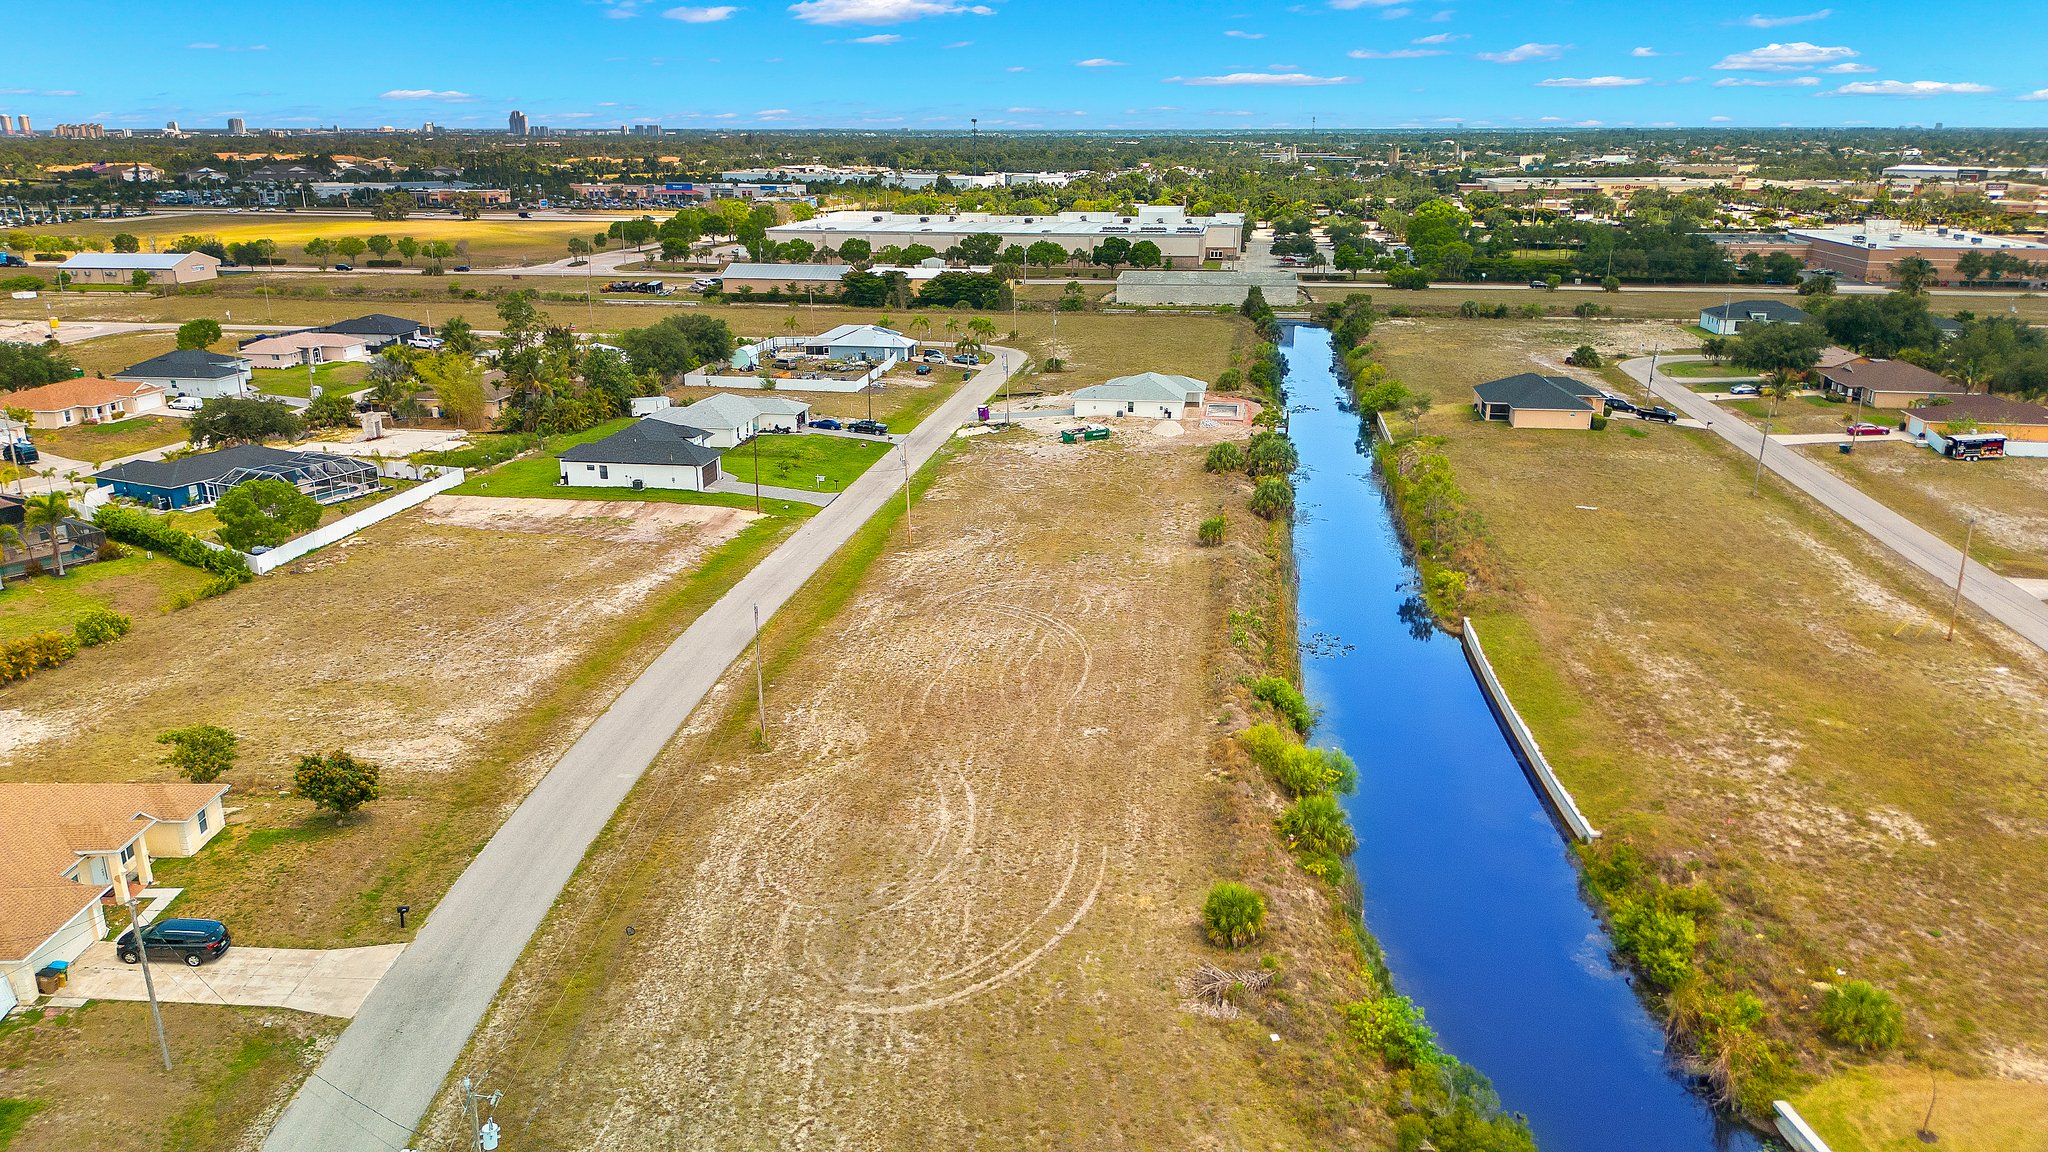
(1468, 883)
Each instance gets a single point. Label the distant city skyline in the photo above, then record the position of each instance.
(1037, 65)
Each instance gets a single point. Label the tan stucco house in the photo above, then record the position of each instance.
(1528, 400)
(86, 400)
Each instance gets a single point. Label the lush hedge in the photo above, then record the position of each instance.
(143, 530)
(30, 654)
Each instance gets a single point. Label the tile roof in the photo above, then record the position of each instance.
(189, 362)
(85, 391)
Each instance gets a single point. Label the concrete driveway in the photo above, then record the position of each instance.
(331, 982)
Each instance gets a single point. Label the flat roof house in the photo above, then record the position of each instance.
(86, 400)
(298, 349)
(2024, 425)
(727, 421)
(192, 372)
(63, 847)
(1529, 400)
(379, 330)
(160, 267)
(1156, 395)
(202, 478)
(1728, 319)
(1886, 383)
(645, 454)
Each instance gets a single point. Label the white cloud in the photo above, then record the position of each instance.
(1722, 119)
(1748, 82)
(1274, 79)
(1348, 5)
(1242, 35)
(1016, 68)
(771, 113)
(425, 94)
(1396, 54)
(1844, 68)
(961, 44)
(1645, 52)
(1760, 21)
(2037, 94)
(1524, 53)
(877, 38)
(1913, 88)
(701, 15)
(1440, 38)
(1592, 82)
(1098, 62)
(881, 11)
(1798, 56)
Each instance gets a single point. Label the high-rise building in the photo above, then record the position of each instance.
(6, 124)
(21, 127)
(516, 124)
(237, 126)
(171, 128)
(81, 132)
(427, 129)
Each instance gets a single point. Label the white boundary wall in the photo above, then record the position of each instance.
(703, 379)
(1523, 738)
(354, 522)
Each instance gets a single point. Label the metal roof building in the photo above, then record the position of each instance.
(1205, 289)
(1184, 241)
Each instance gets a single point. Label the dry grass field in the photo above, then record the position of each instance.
(2007, 498)
(459, 646)
(1678, 304)
(1755, 692)
(489, 243)
(952, 900)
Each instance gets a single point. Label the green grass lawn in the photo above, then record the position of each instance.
(534, 476)
(796, 461)
(294, 382)
(1690, 369)
(98, 443)
(133, 584)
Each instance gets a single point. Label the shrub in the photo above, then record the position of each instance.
(200, 753)
(1270, 454)
(1318, 830)
(1585, 309)
(1863, 1016)
(1585, 356)
(1267, 746)
(1610, 284)
(142, 530)
(1285, 699)
(1210, 533)
(1273, 499)
(337, 780)
(1659, 940)
(99, 624)
(1055, 364)
(1300, 771)
(1392, 1028)
(487, 450)
(1225, 457)
(21, 658)
(1447, 588)
(1233, 915)
(265, 513)
(113, 550)
(1599, 423)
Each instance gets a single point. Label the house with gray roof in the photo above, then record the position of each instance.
(203, 477)
(1728, 319)
(1529, 400)
(1156, 395)
(727, 421)
(192, 372)
(647, 453)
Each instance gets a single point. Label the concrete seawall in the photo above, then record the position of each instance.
(1561, 801)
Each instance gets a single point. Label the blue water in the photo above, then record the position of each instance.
(1468, 886)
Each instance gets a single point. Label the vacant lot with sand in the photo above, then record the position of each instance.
(2008, 499)
(951, 901)
(1759, 696)
(483, 242)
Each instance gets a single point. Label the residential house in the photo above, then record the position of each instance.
(203, 477)
(496, 394)
(379, 330)
(644, 454)
(1728, 319)
(1156, 395)
(1529, 400)
(67, 849)
(298, 349)
(2024, 425)
(864, 342)
(86, 400)
(728, 421)
(192, 372)
(78, 541)
(1886, 383)
(157, 267)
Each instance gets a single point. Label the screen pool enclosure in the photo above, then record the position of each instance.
(326, 478)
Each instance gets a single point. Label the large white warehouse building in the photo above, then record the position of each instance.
(1184, 241)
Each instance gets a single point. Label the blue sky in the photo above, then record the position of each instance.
(1059, 64)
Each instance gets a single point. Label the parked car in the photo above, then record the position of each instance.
(1539, 283)
(1867, 430)
(935, 354)
(526, 215)
(193, 941)
(1743, 390)
(1659, 413)
(186, 404)
(827, 423)
(924, 369)
(344, 267)
(20, 452)
(462, 267)
(868, 427)
(966, 358)
(1620, 404)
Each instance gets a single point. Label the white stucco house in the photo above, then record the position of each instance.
(644, 454)
(193, 372)
(728, 421)
(1151, 394)
(298, 349)
(867, 342)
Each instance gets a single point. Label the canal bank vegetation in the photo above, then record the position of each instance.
(1802, 787)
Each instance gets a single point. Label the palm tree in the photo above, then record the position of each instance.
(790, 324)
(921, 324)
(48, 512)
(10, 536)
(1781, 383)
(982, 328)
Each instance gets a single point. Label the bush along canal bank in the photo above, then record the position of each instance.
(1491, 951)
(1367, 1063)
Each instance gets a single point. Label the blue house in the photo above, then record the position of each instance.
(201, 478)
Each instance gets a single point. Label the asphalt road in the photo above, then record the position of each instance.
(382, 1074)
(1998, 597)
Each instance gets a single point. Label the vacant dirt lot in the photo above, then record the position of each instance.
(950, 902)
(2007, 498)
(432, 644)
(1760, 696)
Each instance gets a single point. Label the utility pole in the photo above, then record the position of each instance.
(156, 1012)
(908, 535)
(757, 470)
(1962, 566)
(483, 1133)
(1758, 479)
(760, 682)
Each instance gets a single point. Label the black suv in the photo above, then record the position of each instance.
(193, 941)
(868, 427)
(1658, 413)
